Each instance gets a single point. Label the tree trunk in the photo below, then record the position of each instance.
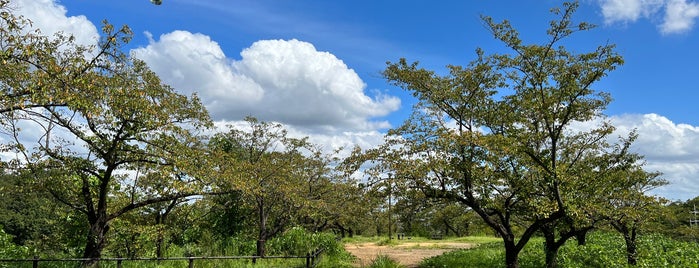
(631, 249)
(581, 237)
(551, 257)
(511, 255)
(550, 247)
(96, 238)
(160, 219)
(261, 247)
(262, 235)
(630, 240)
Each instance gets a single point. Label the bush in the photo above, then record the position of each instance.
(383, 261)
(297, 241)
(9, 250)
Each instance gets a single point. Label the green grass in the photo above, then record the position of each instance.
(383, 261)
(602, 250)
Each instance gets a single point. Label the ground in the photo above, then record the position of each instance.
(408, 254)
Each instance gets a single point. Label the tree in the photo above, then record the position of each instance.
(629, 208)
(107, 126)
(512, 156)
(268, 168)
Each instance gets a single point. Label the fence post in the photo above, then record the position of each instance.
(119, 263)
(308, 260)
(191, 262)
(35, 263)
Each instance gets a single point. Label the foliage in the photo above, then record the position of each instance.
(9, 250)
(111, 137)
(383, 261)
(298, 241)
(674, 220)
(283, 180)
(35, 220)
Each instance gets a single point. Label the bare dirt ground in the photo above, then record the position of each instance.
(408, 254)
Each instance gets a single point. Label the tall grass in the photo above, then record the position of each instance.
(383, 261)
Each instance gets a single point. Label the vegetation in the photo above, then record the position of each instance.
(383, 261)
(102, 159)
(604, 249)
(498, 137)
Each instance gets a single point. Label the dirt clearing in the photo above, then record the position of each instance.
(409, 254)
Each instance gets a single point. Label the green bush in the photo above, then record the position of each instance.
(383, 261)
(298, 241)
(9, 250)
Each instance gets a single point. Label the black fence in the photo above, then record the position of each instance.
(311, 260)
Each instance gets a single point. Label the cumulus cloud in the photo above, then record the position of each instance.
(195, 63)
(51, 18)
(679, 15)
(628, 10)
(668, 147)
(288, 81)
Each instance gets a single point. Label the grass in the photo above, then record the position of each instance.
(383, 261)
(602, 250)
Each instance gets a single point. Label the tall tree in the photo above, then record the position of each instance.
(513, 156)
(267, 167)
(91, 122)
(628, 208)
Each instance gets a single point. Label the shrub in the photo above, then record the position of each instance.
(383, 261)
(9, 250)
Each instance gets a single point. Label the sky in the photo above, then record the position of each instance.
(315, 66)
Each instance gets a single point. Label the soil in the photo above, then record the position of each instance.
(409, 254)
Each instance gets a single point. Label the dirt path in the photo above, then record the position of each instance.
(409, 254)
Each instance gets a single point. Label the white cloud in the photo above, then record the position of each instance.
(628, 10)
(670, 148)
(287, 81)
(679, 14)
(51, 18)
(195, 63)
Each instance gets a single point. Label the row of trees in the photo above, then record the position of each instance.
(97, 150)
(98, 153)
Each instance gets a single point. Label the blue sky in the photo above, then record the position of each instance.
(315, 65)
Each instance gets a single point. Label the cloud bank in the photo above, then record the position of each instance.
(668, 147)
(287, 81)
(678, 16)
